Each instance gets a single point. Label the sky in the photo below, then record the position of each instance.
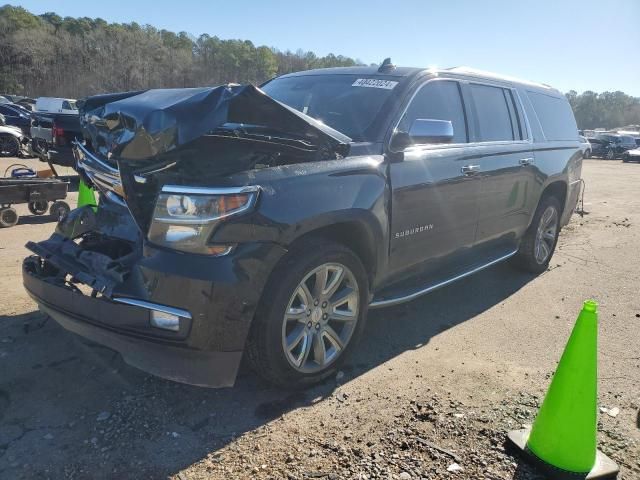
(568, 44)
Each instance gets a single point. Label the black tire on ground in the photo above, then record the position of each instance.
(587, 154)
(38, 207)
(8, 217)
(265, 349)
(59, 209)
(9, 145)
(526, 258)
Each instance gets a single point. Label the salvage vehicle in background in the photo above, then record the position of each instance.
(16, 116)
(585, 146)
(52, 137)
(266, 222)
(11, 139)
(611, 146)
(632, 155)
(56, 105)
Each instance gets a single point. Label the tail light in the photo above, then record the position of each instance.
(58, 135)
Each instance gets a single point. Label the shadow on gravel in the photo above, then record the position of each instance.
(75, 410)
(36, 219)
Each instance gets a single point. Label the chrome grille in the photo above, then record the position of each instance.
(102, 175)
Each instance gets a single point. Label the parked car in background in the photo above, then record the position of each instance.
(268, 227)
(585, 146)
(611, 146)
(52, 136)
(56, 105)
(632, 155)
(16, 116)
(12, 139)
(26, 102)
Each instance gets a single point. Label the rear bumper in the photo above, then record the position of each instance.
(62, 156)
(219, 294)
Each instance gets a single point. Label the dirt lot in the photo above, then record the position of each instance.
(434, 383)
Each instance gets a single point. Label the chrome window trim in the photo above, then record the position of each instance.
(459, 81)
(404, 111)
(153, 306)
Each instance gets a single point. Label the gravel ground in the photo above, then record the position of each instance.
(430, 393)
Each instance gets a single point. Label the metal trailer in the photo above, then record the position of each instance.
(36, 193)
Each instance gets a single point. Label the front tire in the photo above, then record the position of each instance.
(311, 314)
(539, 242)
(9, 146)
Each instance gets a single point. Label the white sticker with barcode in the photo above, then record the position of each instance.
(374, 83)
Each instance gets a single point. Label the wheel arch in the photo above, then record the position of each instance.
(353, 230)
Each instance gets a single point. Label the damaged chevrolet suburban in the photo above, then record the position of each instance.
(263, 223)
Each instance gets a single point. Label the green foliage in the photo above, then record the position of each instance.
(48, 55)
(604, 110)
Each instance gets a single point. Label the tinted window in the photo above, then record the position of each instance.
(555, 115)
(347, 103)
(494, 115)
(438, 100)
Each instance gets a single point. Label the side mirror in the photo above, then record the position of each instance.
(424, 131)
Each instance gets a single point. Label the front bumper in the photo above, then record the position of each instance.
(220, 295)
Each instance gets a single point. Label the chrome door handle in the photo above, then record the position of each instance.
(526, 161)
(470, 170)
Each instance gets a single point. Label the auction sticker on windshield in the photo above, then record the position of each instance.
(374, 83)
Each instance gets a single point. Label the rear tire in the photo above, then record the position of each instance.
(8, 217)
(300, 336)
(539, 242)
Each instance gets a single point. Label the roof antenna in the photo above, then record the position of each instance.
(386, 65)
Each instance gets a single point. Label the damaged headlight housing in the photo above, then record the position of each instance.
(185, 217)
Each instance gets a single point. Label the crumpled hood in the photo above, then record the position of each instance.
(137, 142)
(144, 124)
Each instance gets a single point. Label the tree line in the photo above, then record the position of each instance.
(47, 55)
(604, 110)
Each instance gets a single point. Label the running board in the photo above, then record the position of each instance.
(388, 302)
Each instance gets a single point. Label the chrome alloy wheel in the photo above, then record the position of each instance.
(546, 234)
(320, 318)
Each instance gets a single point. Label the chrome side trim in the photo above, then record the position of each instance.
(395, 301)
(153, 306)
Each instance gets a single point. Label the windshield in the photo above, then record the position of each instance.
(347, 103)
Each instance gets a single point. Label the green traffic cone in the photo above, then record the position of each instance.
(86, 195)
(563, 436)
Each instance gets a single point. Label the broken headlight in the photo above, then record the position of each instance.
(185, 217)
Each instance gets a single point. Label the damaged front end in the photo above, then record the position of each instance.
(138, 273)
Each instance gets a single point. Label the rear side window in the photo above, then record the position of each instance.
(496, 116)
(439, 100)
(555, 115)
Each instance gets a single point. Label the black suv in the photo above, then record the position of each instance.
(266, 222)
(611, 146)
